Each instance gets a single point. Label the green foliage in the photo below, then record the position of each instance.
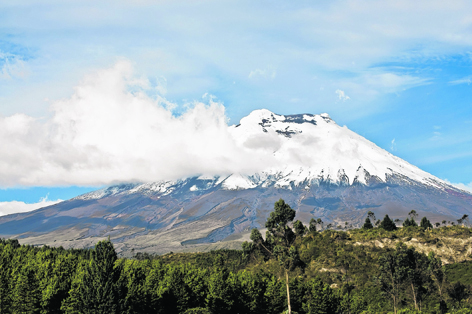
(367, 224)
(388, 224)
(410, 223)
(94, 289)
(312, 225)
(336, 272)
(197, 310)
(299, 228)
(321, 298)
(459, 272)
(425, 224)
(458, 292)
(280, 217)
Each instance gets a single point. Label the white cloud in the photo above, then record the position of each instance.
(12, 207)
(341, 95)
(13, 67)
(393, 145)
(110, 130)
(267, 73)
(462, 186)
(466, 80)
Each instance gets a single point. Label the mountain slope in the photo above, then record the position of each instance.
(321, 169)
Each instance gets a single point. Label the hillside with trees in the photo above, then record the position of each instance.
(379, 268)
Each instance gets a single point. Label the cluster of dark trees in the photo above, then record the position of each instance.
(51, 280)
(293, 269)
(390, 225)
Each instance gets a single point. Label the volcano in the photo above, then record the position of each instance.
(322, 170)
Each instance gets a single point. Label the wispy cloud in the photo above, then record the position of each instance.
(12, 67)
(341, 95)
(466, 80)
(267, 73)
(216, 43)
(463, 186)
(393, 82)
(393, 145)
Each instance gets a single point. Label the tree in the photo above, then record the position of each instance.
(258, 242)
(388, 224)
(437, 273)
(392, 274)
(437, 224)
(299, 228)
(319, 222)
(279, 240)
(94, 290)
(312, 225)
(6, 257)
(413, 214)
(371, 216)
(320, 298)
(410, 223)
(281, 237)
(367, 224)
(26, 294)
(403, 266)
(425, 223)
(219, 297)
(458, 292)
(465, 218)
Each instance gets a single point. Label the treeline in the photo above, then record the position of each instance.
(327, 272)
(52, 280)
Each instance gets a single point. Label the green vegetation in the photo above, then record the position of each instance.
(367, 270)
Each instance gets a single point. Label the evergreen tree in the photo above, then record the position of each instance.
(94, 290)
(367, 224)
(410, 223)
(6, 256)
(388, 224)
(26, 294)
(425, 224)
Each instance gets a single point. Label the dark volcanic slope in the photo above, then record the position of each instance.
(193, 213)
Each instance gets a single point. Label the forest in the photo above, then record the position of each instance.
(293, 269)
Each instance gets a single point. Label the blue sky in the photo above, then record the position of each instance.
(396, 72)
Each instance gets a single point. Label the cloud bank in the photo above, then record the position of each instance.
(7, 208)
(111, 131)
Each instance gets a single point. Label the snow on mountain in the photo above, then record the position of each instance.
(302, 150)
(314, 147)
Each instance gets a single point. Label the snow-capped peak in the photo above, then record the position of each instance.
(321, 148)
(297, 151)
